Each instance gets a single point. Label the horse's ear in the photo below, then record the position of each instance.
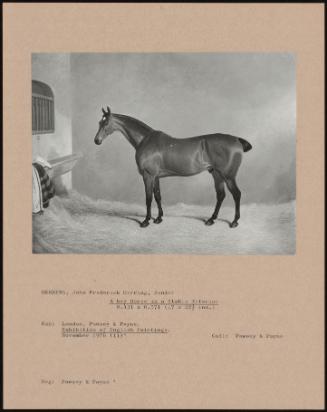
(108, 110)
(103, 111)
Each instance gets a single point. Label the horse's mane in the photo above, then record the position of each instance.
(134, 120)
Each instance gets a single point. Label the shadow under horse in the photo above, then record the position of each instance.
(160, 155)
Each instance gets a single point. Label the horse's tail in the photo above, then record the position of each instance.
(245, 144)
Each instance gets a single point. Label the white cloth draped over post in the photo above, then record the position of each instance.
(37, 193)
(37, 185)
(42, 162)
(44, 172)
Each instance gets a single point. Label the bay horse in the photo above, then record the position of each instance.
(160, 155)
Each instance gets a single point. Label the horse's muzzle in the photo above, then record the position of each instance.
(98, 142)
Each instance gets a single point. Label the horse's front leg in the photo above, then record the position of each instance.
(157, 196)
(149, 184)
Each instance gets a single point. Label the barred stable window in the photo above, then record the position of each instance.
(42, 108)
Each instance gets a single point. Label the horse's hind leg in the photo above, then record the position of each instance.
(220, 190)
(236, 193)
(157, 196)
(148, 183)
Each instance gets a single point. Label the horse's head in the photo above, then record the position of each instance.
(105, 126)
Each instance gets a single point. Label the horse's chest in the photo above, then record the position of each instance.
(149, 160)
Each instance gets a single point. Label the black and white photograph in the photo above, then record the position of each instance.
(164, 153)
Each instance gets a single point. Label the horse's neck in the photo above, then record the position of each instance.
(134, 130)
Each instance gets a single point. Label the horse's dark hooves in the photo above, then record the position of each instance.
(157, 220)
(234, 224)
(145, 223)
(209, 222)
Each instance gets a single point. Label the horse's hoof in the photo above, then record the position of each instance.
(234, 224)
(145, 223)
(209, 222)
(157, 220)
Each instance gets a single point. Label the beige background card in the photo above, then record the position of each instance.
(163, 331)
